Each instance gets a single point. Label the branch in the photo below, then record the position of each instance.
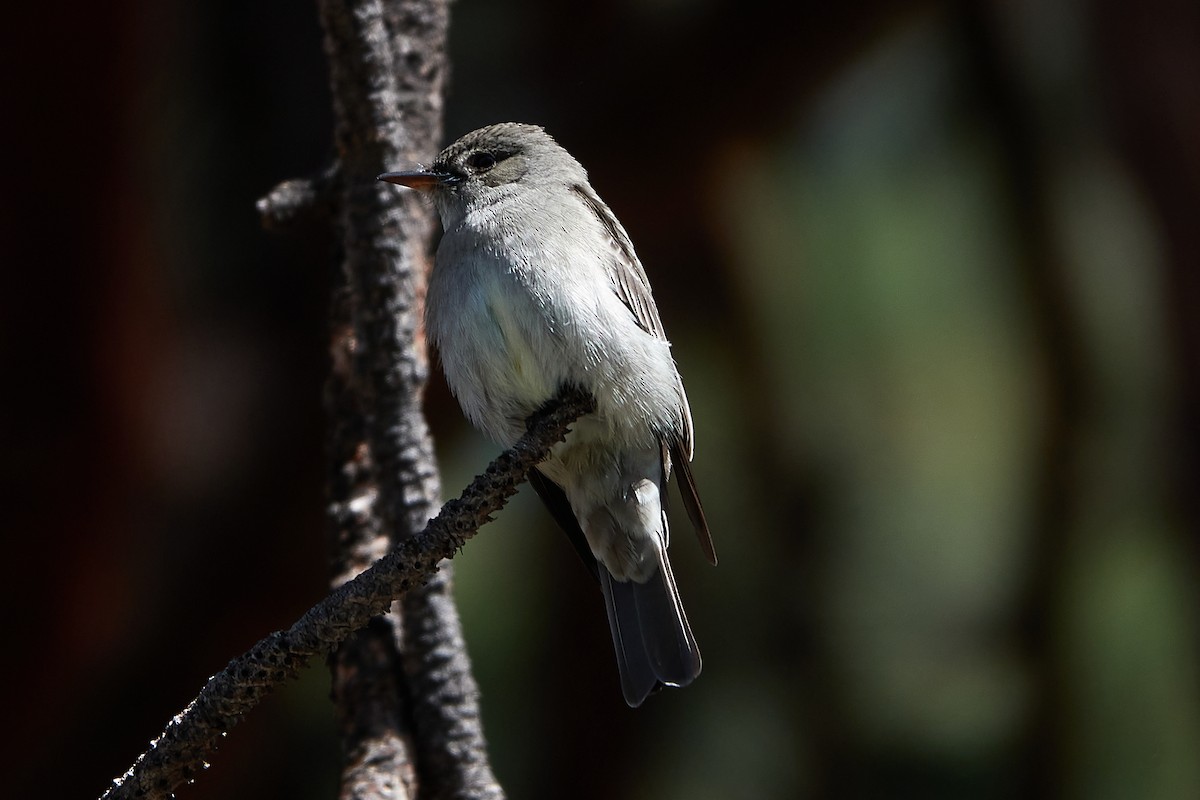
(298, 200)
(404, 697)
(178, 755)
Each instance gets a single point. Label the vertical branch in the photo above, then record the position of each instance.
(376, 749)
(445, 700)
(387, 67)
(386, 86)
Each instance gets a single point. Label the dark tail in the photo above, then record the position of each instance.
(650, 633)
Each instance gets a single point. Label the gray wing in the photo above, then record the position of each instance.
(691, 499)
(624, 269)
(630, 283)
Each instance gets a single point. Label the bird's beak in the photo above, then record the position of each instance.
(420, 179)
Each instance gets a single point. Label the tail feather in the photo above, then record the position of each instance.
(651, 636)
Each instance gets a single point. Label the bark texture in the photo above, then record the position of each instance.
(405, 699)
(180, 753)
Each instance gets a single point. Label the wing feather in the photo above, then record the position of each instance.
(624, 269)
(631, 285)
(691, 503)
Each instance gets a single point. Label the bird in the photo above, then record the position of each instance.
(536, 288)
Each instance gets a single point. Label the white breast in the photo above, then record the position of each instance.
(519, 313)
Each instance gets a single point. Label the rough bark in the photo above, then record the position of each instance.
(180, 753)
(387, 68)
(404, 695)
(386, 83)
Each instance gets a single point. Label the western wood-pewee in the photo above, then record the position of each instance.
(536, 287)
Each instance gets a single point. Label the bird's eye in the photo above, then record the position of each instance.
(481, 161)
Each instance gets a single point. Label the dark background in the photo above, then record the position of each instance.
(930, 271)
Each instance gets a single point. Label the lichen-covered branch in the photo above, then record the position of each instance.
(180, 753)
